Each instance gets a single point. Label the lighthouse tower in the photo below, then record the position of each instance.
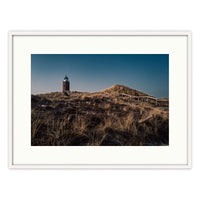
(65, 84)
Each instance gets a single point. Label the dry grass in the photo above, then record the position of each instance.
(96, 119)
(123, 89)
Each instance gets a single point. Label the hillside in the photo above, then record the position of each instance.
(98, 119)
(125, 90)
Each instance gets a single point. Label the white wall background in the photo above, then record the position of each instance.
(99, 15)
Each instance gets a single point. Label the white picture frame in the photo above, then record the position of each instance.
(21, 157)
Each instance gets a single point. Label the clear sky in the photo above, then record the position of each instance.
(148, 73)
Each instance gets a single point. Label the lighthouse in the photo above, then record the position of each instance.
(65, 84)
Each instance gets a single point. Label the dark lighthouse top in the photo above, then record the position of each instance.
(66, 78)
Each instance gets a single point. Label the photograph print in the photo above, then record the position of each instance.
(100, 99)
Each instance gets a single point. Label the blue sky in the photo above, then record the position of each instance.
(148, 73)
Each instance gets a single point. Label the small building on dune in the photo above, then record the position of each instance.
(66, 84)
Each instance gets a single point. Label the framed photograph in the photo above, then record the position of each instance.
(100, 99)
